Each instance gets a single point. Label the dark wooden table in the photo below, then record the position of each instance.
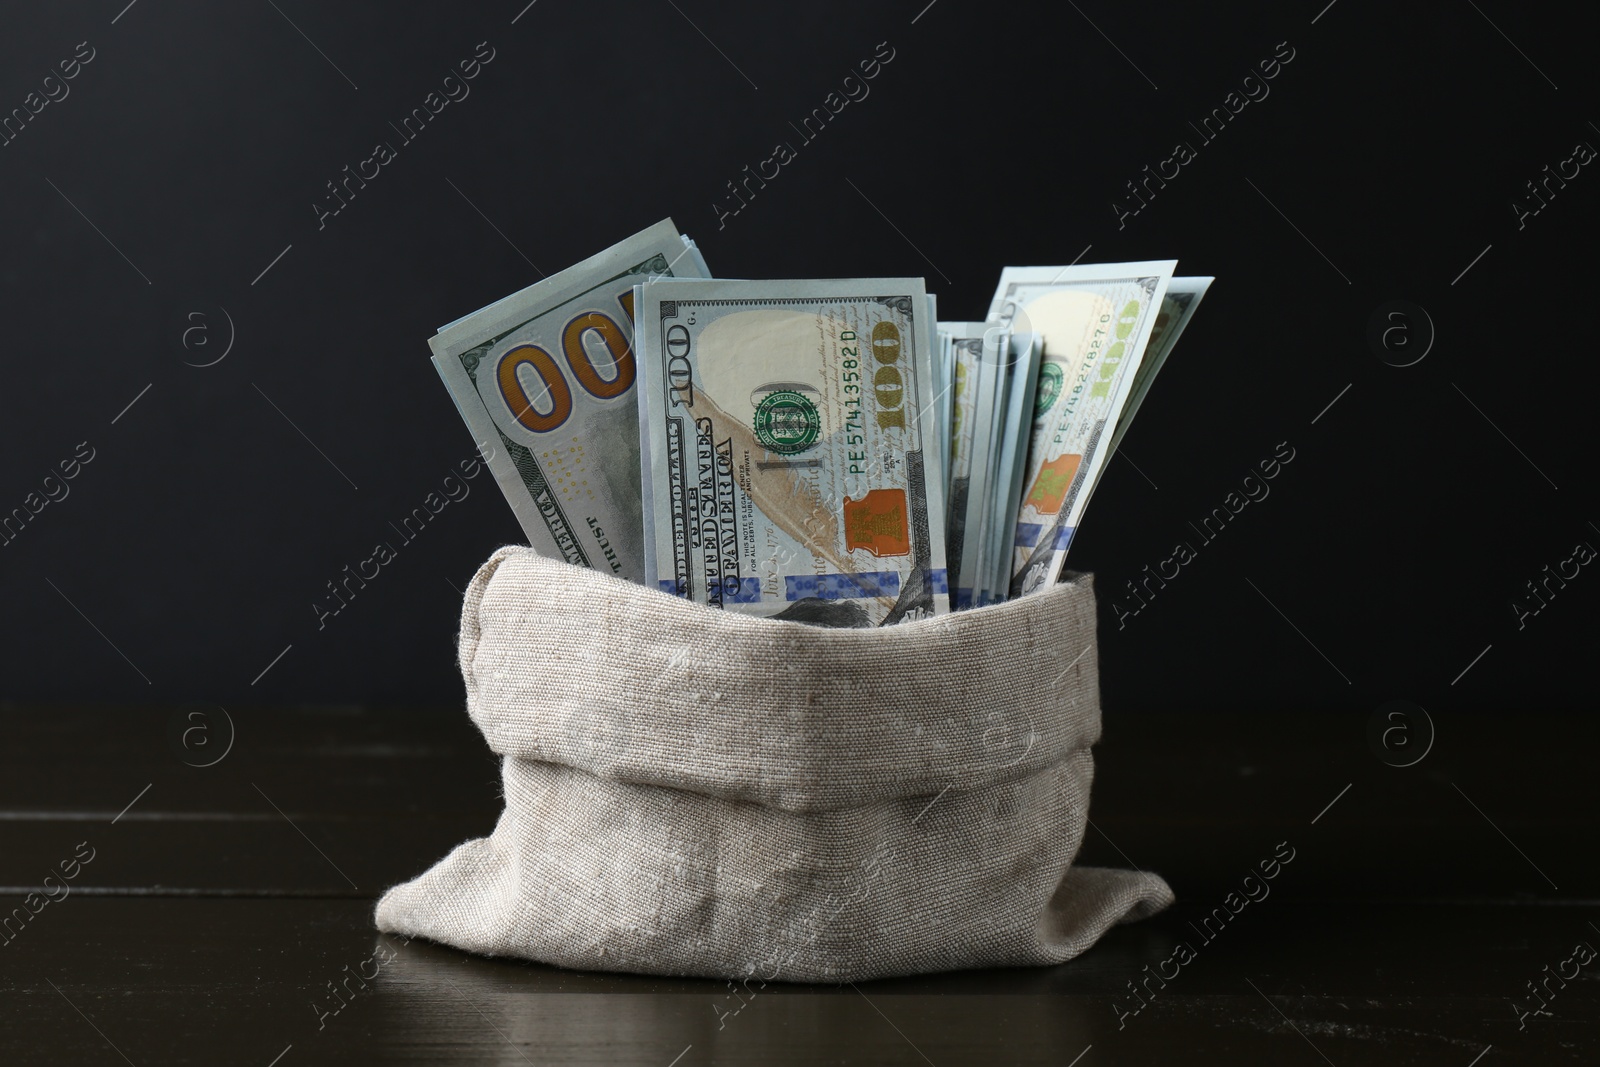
(213, 908)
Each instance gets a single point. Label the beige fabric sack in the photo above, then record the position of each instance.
(696, 792)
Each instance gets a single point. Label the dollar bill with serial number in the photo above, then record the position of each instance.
(1095, 321)
(788, 426)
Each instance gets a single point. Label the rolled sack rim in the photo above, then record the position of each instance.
(772, 711)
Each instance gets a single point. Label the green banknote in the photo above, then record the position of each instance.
(1095, 322)
(545, 378)
(976, 349)
(1024, 355)
(787, 427)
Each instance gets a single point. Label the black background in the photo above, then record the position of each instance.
(1383, 163)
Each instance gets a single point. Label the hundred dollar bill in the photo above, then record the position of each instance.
(976, 350)
(944, 393)
(937, 455)
(1095, 322)
(788, 425)
(546, 376)
(996, 456)
(1024, 355)
(1177, 308)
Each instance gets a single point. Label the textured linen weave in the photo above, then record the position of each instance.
(698, 792)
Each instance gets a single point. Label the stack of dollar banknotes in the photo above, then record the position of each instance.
(825, 451)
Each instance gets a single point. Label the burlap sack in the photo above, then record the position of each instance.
(697, 792)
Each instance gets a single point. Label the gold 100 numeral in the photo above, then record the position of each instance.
(583, 368)
(1108, 362)
(887, 384)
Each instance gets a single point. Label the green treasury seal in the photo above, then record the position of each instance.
(1050, 379)
(787, 423)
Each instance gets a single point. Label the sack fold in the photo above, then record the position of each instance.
(698, 792)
